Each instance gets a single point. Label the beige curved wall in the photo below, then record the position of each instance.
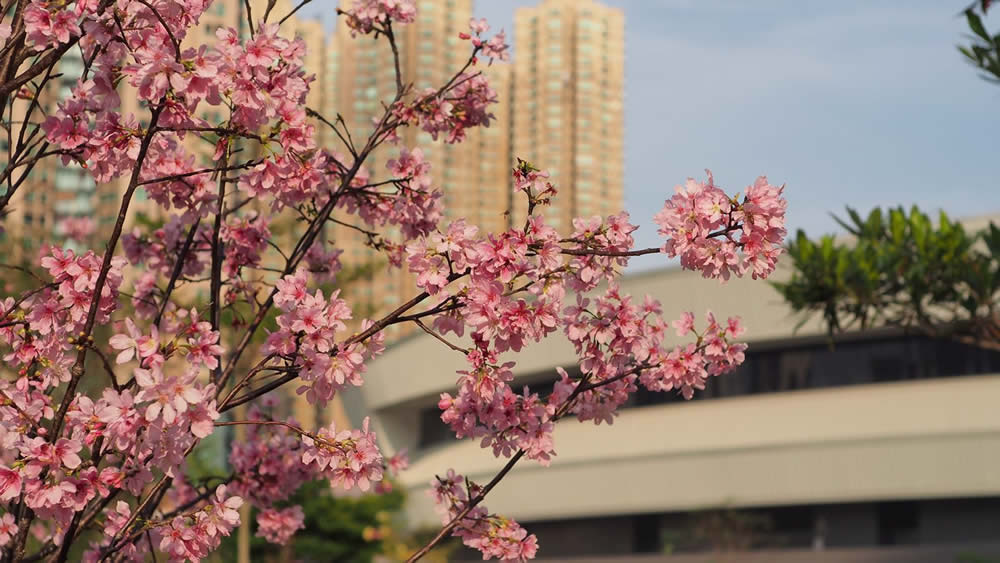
(413, 372)
(419, 366)
(927, 439)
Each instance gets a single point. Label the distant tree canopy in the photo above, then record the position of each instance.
(900, 270)
(984, 50)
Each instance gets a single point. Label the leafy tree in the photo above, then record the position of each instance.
(899, 269)
(984, 50)
(337, 528)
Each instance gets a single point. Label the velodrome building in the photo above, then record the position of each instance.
(884, 441)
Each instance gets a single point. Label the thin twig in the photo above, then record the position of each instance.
(454, 347)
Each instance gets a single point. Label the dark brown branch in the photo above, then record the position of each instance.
(178, 267)
(170, 33)
(442, 339)
(599, 252)
(468, 508)
(292, 13)
(217, 255)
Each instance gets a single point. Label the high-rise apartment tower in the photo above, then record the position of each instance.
(569, 61)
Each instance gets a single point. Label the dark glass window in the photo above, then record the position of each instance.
(898, 522)
(793, 367)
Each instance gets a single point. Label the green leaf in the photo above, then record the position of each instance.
(976, 24)
(852, 229)
(897, 224)
(873, 226)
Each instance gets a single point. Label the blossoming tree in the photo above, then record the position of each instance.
(95, 455)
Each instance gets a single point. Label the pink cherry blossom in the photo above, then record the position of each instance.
(10, 483)
(710, 231)
(493, 535)
(278, 526)
(366, 15)
(8, 527)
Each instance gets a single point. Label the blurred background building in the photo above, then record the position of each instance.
(560, 105)
(569, 87)
(474, 175)
(55, 191)
(875, 440)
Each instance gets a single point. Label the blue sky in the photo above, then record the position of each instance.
(858, 103)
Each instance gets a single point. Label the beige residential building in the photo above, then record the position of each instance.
(55, 191)
(560, 107)
(569, 104)
(52, 190)
(473, 175)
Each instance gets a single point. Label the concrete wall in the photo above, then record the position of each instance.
(926, 439)
(413, 372)
(937, 438)
(962, 553)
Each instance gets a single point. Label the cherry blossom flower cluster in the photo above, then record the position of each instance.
(116, 519)
(451, 111)
(493, 48)
(620, 342)
(686, 367)
(465, 106)
(148, 430)
(723, 236)
(277, 457)
(77, 228)
(262, 80)
(533, 182)
(40, 328)
(370, 15)
(399, 462)
(408, 203)
(491, 264)
(494, 536)
(157, 251)
(290, 181)
(487, 408)
(49, 24)
(75, 278)
(350, 458)
(611, 238)
(192, 537)
(278, 526)
(268, 463)
(52, 481)
(245, 239)
(191, 193)
(323, 263)
(306, 339)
